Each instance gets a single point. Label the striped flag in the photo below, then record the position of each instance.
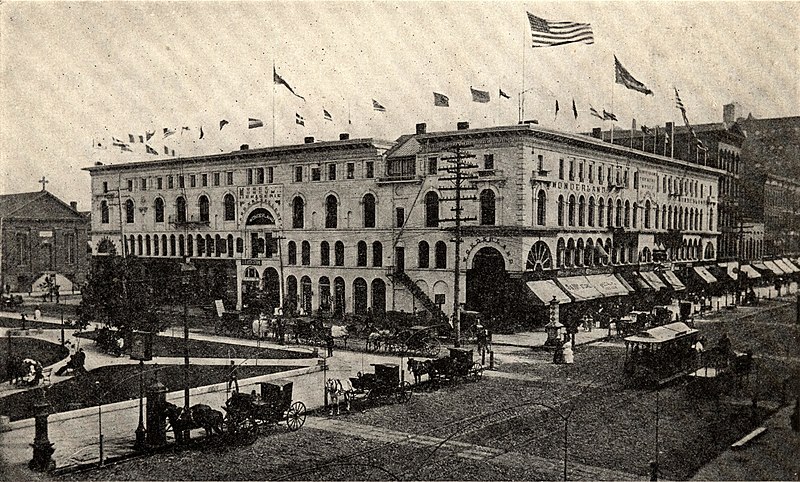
(253, 123)
(131, 138)
(150, 150)
(594, 112)
(99, 143)
(168, 132)
(609, 116)
(141, 139)
(298, 119)
(279, 80)
(440, 100)
(166, 150)
(503, 95)
(678, 101)
(480, 96)
(551, 34)
(622, 76)
(223, 123)
(148, 135)
(377, 106)
(326, 115)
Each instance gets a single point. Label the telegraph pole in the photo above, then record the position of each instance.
(460, 175)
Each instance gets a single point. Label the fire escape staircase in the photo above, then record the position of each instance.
(427, 302)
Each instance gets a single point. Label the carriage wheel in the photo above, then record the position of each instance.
(476, 371)
(296, 416)
(248, 430)
(431, 347)
(403, 393)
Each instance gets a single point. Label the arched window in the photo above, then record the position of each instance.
(181, 246)
(601, 211)
(539, 257)
(104, 212)
(431, 210)
(359, 296)
(180, 209)
(571, 211)
(230, 207)
(487, 207)
(590, 214)
(627, 214)
(610, 213)
(298, 212)
(424, 255)
(324, 254)
(541, 208)
(560, 210)
(561, 252)
(292, 253)
(129, 217)
(325, 294)
(331, 211)
(711, 219)
(147, 245)
(647, 214)
(291, 293)
(361, 253)
(377, 254)
(159, 209)
(230, 246)
(664, 217)
(305, 253)
(570, 255)
(338, 253)
(581, 211)
(441, 255)
(204, 214)
(140, 245)
(369, 211)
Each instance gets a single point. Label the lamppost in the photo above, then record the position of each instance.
(187, 268)
(142, 350)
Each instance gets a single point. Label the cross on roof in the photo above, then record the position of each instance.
(43, 181)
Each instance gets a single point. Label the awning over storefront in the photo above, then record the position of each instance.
(653, 280)
(608, 285)
(730, 269)
(762, 267)
(704, 274)
(633, 282)
(793, 263)
(750, 271)
(786, 265)
(773, 267)
(546, 289)
(579, 288)
(673, 280)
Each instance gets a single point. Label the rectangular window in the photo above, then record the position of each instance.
(216, 179)
(181, 182)
(351, 170)
(249, 176)
(636, 180)
(433, 166)
(229, 178)
(572, 169)
(315, 174)
(561, 169)
(204, 180)
(600, 172)
(625, 178)
(170, 182)
(401, 217)
(159, 183)
(143, 184)
(260, 175)
(105, 186)
(331, 172)
(298, 173)
(193, 180)
(270, 175)
(580, 171)
(130, 184)
(541, 162)
(591, 173)
(488, 162)
(370, 170)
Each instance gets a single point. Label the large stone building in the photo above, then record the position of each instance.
(347, 225)
(42, 237)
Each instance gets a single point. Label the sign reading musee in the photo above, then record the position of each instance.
(248, 194)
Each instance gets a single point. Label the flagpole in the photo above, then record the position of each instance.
(612, 111)
(273, 97)
(521, 99)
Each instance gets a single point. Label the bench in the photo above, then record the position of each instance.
(748, 438)
(46, 375)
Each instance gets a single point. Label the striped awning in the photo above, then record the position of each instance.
(545, 290)
(608, 285)
(704, 274)
(673, 280)
(750, 271)
(579, 288)
(653, 280)
(773, 267)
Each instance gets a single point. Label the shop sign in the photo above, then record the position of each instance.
(251, 262)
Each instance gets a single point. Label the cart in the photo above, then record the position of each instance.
(384, 384)
(246, 412)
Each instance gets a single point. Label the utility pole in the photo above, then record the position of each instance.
(460, 175)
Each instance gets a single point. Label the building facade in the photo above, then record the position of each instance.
(356, 224)
(42, 237)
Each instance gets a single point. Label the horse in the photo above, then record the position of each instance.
(16, 370)
(339, 389)
(378, 338)
(197, 416)
(419, 368)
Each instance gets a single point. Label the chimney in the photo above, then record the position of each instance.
(421, 128)
(308, 140)
(244, 147)
(597, 133)
(462, 126)
(729, 113)
(74, 205)
(344, 136)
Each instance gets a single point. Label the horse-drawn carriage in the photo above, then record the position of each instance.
(660, 354)
(246, 412)
(231, 323)
(384, 384)
(460, 365)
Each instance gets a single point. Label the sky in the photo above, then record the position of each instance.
(74, 74)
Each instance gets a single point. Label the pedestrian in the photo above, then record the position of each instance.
(24, 319)
(567, 352)
(480, 334)
(232, 377)
(37, 314)
(329, 343)
(654, 472)
(58, 295)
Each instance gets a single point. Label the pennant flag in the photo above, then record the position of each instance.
(594, 112)
(99, 144)
(253, 123)
(646, 130)
(625, 78)
(503, 95)
(166, 150)
(609, 116)
(141, 139)
(551, 34)
(481, 96)
(168, 132)
(184, 128)
(678, 101)
(279, 80)
(327, 115)
(131, 138)
(440, 100)
(150, 150)
(223, 123)
(298, 119)
(117, 143)
(148, 135)
(201, 132)
(574, 110)
(556, 110)
(377, 106)
(126, 148)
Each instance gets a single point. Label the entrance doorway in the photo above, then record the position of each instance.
(489, 289)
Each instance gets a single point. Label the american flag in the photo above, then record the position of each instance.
(679, 102)
(550, 34)
(594, 112)
(377, 106)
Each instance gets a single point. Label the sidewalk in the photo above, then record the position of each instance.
(536, 339)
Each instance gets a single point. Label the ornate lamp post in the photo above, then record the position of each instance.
(142, 350)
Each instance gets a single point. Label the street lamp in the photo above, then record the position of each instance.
(187, 268)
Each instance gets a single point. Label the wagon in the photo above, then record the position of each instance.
(384, 384)
(245, 413)
(459, 365)
(420, 340)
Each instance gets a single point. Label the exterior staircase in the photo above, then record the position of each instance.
(427, 302)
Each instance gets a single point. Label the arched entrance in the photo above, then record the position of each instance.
(271, 289)
(488, 284)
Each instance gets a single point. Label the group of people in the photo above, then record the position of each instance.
(76, 363)
(263, 324)
(25, 371)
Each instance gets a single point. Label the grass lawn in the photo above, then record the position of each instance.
(120, 383)
(7, 321)
(42, 351)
